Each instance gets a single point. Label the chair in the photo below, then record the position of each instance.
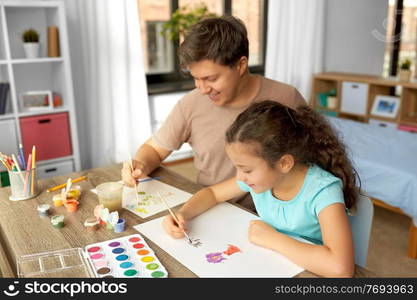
(360, 224)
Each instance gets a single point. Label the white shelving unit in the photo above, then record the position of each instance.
(39, 74)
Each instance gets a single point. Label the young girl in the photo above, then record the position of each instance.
(301, 182)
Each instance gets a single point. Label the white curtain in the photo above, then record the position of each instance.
(295, 40)
(109, 79)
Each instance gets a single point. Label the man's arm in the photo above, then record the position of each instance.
(147, 158)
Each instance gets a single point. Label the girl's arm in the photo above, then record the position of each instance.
(335, 258)
(203, 200)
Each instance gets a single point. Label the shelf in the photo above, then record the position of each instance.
(322, 108)
(55, 160)
(37, 4)
(43, 112)
(37, 60)
(352, 115)
(6, 116)
(39, 74)
(393, 120)
(408, 122)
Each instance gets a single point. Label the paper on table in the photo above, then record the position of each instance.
(150, 203)
(217, 229)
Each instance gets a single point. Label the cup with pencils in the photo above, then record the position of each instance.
(22, 174)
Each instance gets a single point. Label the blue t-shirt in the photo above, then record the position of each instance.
(299, 216)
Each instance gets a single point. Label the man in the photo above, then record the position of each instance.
(215, 52)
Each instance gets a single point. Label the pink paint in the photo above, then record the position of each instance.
(100, 263)
(97, 256)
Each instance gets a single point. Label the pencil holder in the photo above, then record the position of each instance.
(23, 185)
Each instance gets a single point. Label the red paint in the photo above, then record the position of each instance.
(93, 249)
(134, 239)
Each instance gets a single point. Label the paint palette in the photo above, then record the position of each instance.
(128, 257)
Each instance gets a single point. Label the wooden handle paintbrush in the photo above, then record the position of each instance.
(175, 217)
(136, 185)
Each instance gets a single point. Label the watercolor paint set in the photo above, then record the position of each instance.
(128, 257)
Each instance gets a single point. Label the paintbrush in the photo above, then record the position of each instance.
(136, 185)
(175, 217)
(148, 179)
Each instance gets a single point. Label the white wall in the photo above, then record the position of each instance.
(350, 42)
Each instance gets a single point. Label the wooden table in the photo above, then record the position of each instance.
(23, 232)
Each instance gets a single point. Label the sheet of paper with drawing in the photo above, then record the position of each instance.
(149, 202)
(224, 249)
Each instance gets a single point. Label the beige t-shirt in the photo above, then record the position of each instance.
(195, 120)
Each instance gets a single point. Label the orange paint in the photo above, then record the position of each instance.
(231, 250)
(71, 205)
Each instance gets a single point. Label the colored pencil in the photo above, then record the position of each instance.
(32, 184)
(175, 217)
(58, 187)
(22, 156)
(18, 168)
(27, 173)
(5, 164)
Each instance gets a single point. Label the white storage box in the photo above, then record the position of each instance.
(354, 98)
(55, 169)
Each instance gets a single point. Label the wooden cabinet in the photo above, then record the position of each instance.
(356, 95)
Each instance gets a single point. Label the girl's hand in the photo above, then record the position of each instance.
(129, 178)
(172, 228)
(260, 233)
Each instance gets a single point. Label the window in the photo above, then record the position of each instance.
(158, 54)
(160, 58)
(251, 13)
(401, 35)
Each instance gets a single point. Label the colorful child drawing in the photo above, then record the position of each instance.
(195, 243)
(145, 202)
(217, 257)
(231, 250)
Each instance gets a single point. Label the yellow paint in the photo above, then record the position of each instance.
(147, 259)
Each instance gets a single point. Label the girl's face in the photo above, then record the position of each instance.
(251, 169)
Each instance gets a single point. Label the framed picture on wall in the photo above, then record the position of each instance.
(36, 101)
(385, 106)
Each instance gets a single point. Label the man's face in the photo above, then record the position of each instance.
(218, 82)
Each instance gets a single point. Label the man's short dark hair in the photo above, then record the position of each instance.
(223, 40)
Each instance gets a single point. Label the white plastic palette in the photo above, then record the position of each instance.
(128, 257)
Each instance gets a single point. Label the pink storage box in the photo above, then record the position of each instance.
(49, 133)
(409, 128)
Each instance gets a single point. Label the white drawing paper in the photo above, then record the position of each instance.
(149, 202)
(219, 229)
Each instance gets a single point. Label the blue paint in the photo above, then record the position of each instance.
(118, 250)
(122, 257)
(126, 264)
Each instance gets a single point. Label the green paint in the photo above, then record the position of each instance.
(152, 266)
(130, 272)
(158, 274)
